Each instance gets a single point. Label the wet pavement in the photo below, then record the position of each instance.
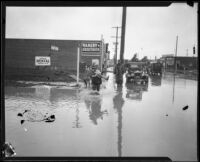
(132, 120)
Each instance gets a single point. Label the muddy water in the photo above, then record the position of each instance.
(121, 121)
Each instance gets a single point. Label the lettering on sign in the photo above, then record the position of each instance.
(90, 47)
(42, 61)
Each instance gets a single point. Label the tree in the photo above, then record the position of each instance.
(134, 58)
(144, 59)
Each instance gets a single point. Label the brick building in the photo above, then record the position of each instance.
(59, 55)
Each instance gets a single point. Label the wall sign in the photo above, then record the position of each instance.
(90, 47)
(42, 61)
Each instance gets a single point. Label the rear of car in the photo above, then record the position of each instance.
(136, 75)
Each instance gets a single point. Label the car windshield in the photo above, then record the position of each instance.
(134, 67)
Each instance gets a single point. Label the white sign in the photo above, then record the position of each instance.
(42, 61)
(95, 61)
(91, 47)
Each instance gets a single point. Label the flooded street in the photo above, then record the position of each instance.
(122, 121)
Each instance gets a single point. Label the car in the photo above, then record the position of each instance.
(156, 68)
(136, 74)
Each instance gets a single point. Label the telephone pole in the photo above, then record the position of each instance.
(187, 52)
(116, 43)
(123, 34)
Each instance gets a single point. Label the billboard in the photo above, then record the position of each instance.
(91, 48)
(42, 61)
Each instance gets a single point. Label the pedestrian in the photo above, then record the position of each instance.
(86, 76)
(96, 77)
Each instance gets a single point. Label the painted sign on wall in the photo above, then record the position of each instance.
(95, 61)
(90, 47)
(42, 61)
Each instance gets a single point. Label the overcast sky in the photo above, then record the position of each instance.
(150, 31)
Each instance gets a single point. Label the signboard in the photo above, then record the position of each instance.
(95, 61)
(42, 61)
(90, 47)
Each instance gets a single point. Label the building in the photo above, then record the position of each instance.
(182, 62)
(51, 55)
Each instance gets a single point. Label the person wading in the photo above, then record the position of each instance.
(96, 77)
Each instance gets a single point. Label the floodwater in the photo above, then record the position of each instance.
(127, 121)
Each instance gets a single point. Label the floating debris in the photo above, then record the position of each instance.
(166, 115)
(185, 108)
(8, 150)
(50, 118)
(35, 116)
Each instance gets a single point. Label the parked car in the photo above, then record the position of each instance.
(156, 68)
(136, 74)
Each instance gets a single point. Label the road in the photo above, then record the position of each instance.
(121, 121)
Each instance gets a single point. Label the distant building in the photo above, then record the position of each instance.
(182, 62)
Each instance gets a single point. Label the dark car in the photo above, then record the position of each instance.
(156, 68)
(136, 74)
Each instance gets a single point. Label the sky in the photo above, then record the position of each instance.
(150, 31)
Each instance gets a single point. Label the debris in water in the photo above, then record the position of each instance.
(22, 121)
(35, 116)
(185, 108)
(50, 118)
(19, 114)
(8, 150)
(166, 114)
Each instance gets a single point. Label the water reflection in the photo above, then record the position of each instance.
(93, 104)
(156, 80)
(135, 91)
(76, 123)
(145, 139)
(118, 103)
(19, 92)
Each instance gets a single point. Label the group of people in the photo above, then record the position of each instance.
(93, 76)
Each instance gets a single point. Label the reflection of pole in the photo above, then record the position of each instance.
(173, 88)
(78, 55)
(77, 123)
(120, 132)
(175, 67)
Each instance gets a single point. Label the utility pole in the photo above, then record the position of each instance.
(176, 54)
(187, 52)
(116, 43)
(102, 52)
(123, 34)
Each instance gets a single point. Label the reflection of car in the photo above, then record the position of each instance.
(134, 91)
(136, 75)
(156, 80)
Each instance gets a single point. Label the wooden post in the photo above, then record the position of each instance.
(123, 34)
(78, 57)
